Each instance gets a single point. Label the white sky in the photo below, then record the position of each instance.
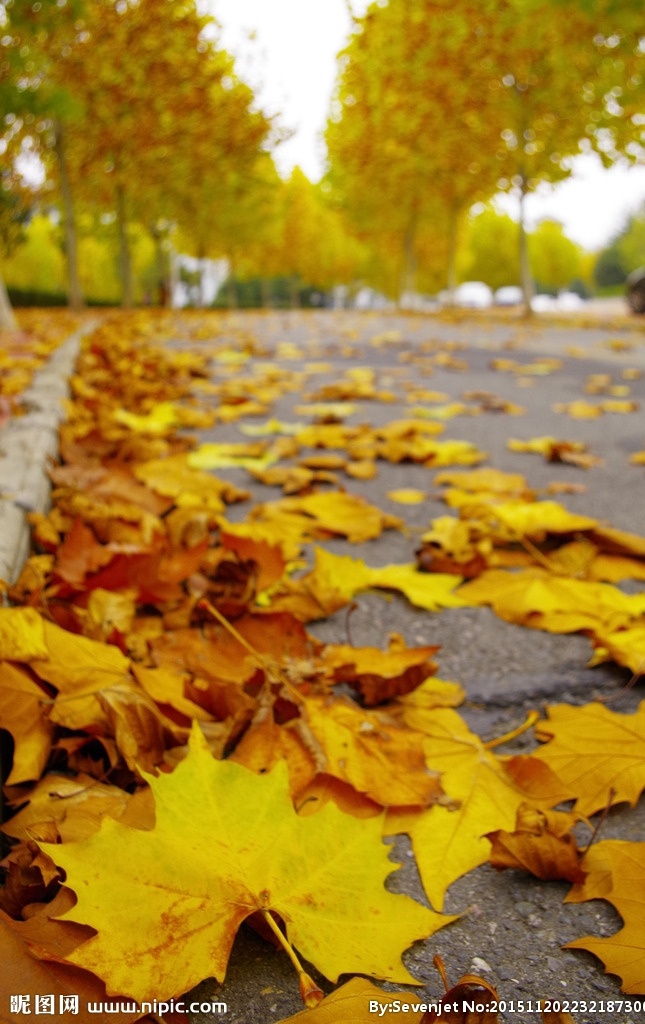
(291, 64)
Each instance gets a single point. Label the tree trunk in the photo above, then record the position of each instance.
(231, 289)
(201, 258)
(125, 259)
(525, 270)
(7, 319)
(173, 276)
(74, 292)
(409, 271)
(160, 268)
(265, 288)
(451, 276)
(295, 293)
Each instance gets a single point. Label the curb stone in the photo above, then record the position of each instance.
(27, 444)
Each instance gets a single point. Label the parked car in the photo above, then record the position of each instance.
(473, 295)
(569, 302)
(509, 295)
(636, 290)
(543, 303)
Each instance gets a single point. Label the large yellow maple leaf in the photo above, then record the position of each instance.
(449, 841)
(167, 903)
(598, 753)
(616, 872)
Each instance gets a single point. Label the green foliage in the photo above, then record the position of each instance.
(625, 253)
(631, 243)
(274, 293)
(610, 267)
(555, 260)
(37, 264)
(489, 250)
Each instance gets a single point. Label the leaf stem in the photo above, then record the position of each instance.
(212, 610)
(311, 994)
(531, 719)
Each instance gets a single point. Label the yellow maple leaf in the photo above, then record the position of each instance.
(23, 714)
(164, 417)
(579, 410)
(407, 496)
(534, 519)
(616, 873)
(215, 455)
(572, 752)
(537, 598)
(167, 903)
(22, 636)
(352, 1002)
(624, 646)
(336, 579)
(319, 515)
(487, 479)
(486, 792)
(175, 478)
(77, 806)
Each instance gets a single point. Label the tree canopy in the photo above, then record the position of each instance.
(441, 104)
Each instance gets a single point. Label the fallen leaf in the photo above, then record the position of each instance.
(541, 844)
(537, 598)
(23, 714)
(579, 410)
(616, 873)
(614, 775)
(245, 850)
(323, 515)
(407, 496)
(573, 453)
(471, 1001)
(336, 579)
(22, 635)
(175, 478)
(76, 805)
(485, 791)
(356, 1001)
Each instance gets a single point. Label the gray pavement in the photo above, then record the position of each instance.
(512, 926)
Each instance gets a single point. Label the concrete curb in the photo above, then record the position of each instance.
(27, 444)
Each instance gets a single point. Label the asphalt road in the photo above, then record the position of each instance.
(512, 926)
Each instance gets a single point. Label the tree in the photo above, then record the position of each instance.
(489, 251)
(25, 92)
(555, 260)
(156, 109)
(142, 81)
(557, 88)
(440, 104)
(38, 264)
(411, 137)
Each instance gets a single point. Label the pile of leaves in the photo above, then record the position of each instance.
(25, 350)
(178, 737)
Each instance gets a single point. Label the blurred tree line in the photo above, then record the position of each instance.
(442, 103)
(147, 141)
